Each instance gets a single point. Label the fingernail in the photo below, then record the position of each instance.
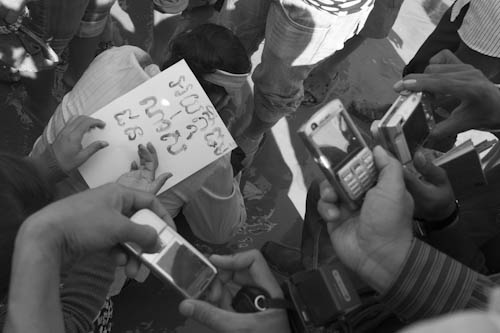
(409, 83)
(104, 144)
(186, 308)
(419, 159)
(398, 85)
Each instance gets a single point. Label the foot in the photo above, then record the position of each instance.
(283, 259)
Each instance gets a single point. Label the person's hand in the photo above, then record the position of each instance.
(67, 146)
(247, 268)
(433, 195)
(92, 221)
(11, 9)
(142, 177)
(373, 242)
(478, 98)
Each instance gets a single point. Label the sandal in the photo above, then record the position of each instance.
(22, 52)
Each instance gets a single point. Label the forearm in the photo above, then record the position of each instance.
(84, 291)
(33, 304)
(47, 165)
(430, 283)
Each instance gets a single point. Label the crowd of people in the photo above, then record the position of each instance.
(60, 241)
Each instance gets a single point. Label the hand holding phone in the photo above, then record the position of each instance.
(405, 126)
(178, 263)
(341, 152)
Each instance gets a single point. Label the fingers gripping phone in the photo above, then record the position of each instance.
(341, 152)
(178, 263)
(405, 126)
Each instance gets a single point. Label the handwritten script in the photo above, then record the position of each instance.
(172, 111)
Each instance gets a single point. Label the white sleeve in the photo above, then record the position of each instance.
(217, 210)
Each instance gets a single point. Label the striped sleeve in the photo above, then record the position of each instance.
(431, 283)
(480, 29)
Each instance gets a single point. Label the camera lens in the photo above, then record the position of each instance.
(314, 126)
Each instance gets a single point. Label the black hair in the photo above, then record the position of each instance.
(206, 48)
(209, 47)
(22, 192)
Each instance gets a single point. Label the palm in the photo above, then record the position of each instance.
(371, 229)
(142, 177)
(139, 180)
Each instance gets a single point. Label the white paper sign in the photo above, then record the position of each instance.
(171, 111)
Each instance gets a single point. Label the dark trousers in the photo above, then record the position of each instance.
(446, 37)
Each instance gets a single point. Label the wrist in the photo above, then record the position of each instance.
(35, 278)
(384, 262)
(449, 218)
(40, 235)
(48, 164)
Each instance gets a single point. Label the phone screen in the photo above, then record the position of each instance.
(182, 265)
(336, 140)
(416, 129)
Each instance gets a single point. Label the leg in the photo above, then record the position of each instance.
(84, 44)
(59, 21)
(247, 19)
(298, 37)
(490, 66)
(445, 36)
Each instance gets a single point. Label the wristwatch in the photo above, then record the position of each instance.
(424, 227)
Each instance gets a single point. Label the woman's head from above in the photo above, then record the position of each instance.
(22, 193)
(216, 57)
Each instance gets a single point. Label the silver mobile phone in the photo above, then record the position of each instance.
(340, 151)
(178, 263)
(405, 126)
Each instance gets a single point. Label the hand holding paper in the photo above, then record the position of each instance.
(142, 177)
(171, 111)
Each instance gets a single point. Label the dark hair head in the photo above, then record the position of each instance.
(22, 192)
(205, 49)
(209, 47)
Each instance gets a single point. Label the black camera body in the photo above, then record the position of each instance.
(320, 297)
(405, 126)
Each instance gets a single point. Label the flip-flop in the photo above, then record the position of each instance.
(23, 52)
(8, 73)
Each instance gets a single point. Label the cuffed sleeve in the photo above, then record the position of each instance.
(431, 283)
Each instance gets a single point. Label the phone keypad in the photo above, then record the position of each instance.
(359, 175)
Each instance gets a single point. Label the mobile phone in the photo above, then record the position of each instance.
(340, 151)
(405, 126)
(178, 263)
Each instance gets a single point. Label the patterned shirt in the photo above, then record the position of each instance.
(431, 283)
(341, 7)
(480, 29)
